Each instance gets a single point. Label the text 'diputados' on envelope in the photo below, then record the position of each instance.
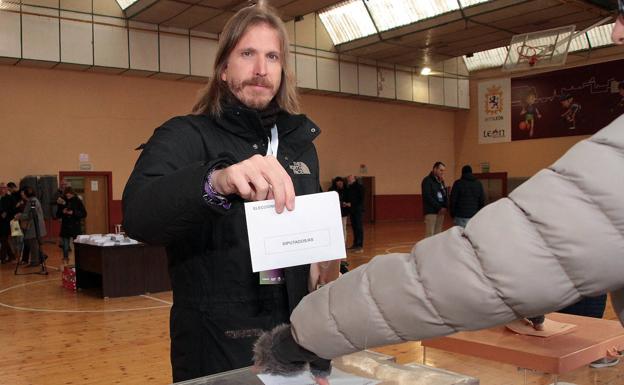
(299, 241)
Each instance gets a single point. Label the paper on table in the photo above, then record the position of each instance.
(337, 377)
(312, 232)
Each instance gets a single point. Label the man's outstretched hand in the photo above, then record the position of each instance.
(255, 179)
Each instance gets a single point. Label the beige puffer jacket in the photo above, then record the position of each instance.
(557, 238)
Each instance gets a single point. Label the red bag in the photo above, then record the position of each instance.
(69, 278)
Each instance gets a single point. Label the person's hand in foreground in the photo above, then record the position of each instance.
(276, 352)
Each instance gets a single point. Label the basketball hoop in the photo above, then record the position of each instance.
(532, 54)
(547, 48)
(539, 49)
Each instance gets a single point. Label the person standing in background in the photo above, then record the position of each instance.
(338, 185)
(70, 211)
(355, 200)
(467, 197)
(6, 209)
(434, 198)
(33, 230)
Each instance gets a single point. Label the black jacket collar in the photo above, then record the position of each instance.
(245, 123)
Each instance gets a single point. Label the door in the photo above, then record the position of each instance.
(93, 190)
(369, 198)
(494, 185)
(96, 204)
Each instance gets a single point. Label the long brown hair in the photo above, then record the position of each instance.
(211, 98)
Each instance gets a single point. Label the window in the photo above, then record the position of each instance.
(486, 59)
(351, 20)
(347, 21)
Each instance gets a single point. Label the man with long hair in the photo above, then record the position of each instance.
(244, 142)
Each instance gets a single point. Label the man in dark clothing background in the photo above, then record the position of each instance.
(338, 185)
(467, 197)
(7, 208)
(355, 200)
(434, 198)
(244, 142)
(14, 193)
(71, 211)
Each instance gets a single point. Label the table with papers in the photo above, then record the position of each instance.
(120, 266)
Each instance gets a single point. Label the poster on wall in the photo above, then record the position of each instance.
(574, 101)
(494, 111)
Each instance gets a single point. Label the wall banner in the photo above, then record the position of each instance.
(494, 111)
(567, 102)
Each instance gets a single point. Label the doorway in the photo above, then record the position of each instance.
(369, 198)
(95, 190)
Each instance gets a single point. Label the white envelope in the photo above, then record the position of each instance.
(312, 232)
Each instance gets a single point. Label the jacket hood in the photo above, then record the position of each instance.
(468, 176)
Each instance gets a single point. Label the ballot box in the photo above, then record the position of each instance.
(556, 355)
(362, 368)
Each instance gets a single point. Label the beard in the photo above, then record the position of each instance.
(255, 99)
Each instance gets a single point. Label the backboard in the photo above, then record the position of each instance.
(547, 48)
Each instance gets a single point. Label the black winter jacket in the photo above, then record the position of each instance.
(467, 197)
(70, 223)
(433, 195)
(342, 198)
(7, 206)
(355, 195)
(207, 245)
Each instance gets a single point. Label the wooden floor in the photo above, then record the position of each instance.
(49, 335)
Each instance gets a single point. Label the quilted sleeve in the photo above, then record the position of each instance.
(558, 238)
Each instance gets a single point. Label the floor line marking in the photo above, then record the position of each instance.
(81, 311)
(21, 308)
(157, 299)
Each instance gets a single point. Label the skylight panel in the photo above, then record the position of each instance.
(600, 36)
(347, 21)
(351, 19)
(126, 3)
(486, 59)
(390, 14)
(470, 3)
(579, 43)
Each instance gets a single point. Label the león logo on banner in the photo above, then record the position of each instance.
(494, 100)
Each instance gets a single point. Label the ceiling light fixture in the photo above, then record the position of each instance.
(425, 71)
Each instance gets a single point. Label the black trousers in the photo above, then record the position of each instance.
(358, 229)
(31, 248)
(588, 307)
(6, 252)
(203, 343)
(25, 252)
